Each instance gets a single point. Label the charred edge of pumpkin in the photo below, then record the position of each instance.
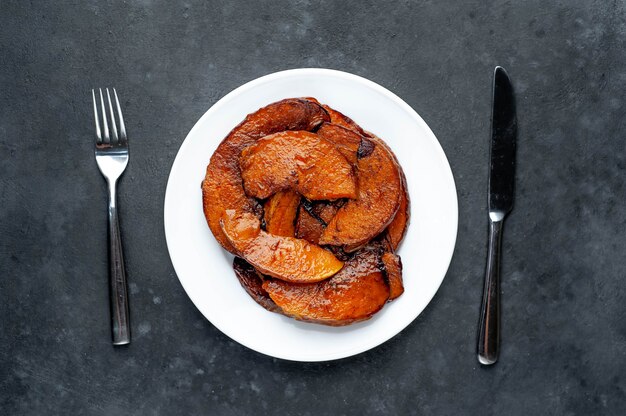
(366, 147)
(340, 202)
(315, 101)
(378, 251)
(386, 275)
(308, 207)
(383, 269)
(339, 253)
(295, 217)
(383, 240)
(240, 265)
(386, 244)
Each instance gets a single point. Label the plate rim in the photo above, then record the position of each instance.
(362, 348)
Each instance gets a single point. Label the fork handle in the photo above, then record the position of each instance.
(489, 325)
(120, 318)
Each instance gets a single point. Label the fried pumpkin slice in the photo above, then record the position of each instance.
(313, 218)
(354, 294)
(398, 226)
(222, 188)
(252, 283)
(379, 189)
(308, 227)
(393, 268)
(347, 141)
(298, 160)
(285, 258)
(280, 212)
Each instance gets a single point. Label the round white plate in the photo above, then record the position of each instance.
(205, 269)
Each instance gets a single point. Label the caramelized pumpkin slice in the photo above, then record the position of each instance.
(313, 218)
(296, 160)
(308, 227)
(398, 226)
(362, 219)
(347, 141)
(252, 283)
(222, 188)
(354, 294)
(280, 212)
(393, 267)
(284, 258)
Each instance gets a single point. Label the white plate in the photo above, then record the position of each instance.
(205, 270)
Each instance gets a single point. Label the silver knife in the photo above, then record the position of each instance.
(501, 189)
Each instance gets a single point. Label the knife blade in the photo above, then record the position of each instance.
(501, 196)
(503, 135)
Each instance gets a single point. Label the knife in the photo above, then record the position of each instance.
(501, 189)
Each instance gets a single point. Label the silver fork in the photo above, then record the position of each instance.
(112, 158)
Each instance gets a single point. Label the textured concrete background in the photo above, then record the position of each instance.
(564, 334)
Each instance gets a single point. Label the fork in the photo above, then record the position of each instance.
(112, 157)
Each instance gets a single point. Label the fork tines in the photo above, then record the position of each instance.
(102, 136)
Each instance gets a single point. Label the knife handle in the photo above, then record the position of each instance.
(489, 324)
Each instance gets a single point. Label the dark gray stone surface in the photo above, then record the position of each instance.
(564, 333)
